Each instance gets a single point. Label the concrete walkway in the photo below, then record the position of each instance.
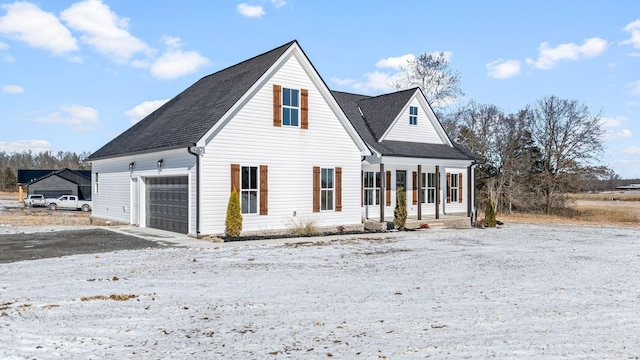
(176, 239)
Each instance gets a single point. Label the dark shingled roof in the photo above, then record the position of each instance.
(26, 176)
(186, 118)
(183, 120)
(378, 113)
(78, 177)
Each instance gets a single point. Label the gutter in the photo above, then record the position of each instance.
(197, 155)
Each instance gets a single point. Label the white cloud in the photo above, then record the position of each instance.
(247, 10)
(503, 69)
(80, 118)
(376, 81)
(36, 146)
(278, 3)
(12, 89)
(28, 23)
(549, 57)
(143, 109)
(343, 82)
(635, 87)
(3, 46)
(613, 122)
(634, 29)
(381, 81)
(395, 62)
(616, 135)
(175, 63)
(104, 30)
(631, 150)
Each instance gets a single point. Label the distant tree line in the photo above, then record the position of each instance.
(46, 160)
(529, 160)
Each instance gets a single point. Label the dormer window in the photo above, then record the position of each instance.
(290, 107)
(413, 115)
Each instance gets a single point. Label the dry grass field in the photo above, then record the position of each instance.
(13, 213)
(613, 208)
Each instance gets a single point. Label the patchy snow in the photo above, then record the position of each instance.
(521, 291)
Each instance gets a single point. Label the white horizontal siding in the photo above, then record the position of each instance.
(423, 132)
(250, 139)
(114, 199)
(456, 207)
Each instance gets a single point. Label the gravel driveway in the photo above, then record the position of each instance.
(31, 246)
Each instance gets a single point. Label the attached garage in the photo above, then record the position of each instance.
(167, 203)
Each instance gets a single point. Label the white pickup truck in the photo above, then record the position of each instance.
(69, 202)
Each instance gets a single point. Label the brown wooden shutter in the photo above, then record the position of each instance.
(460, 187)
(415, 188)
(338, 185)
(264, 190)
(316, 189)
(304, 108)
(277, 105)
(235, 177)
(448, 188)
(388, 188)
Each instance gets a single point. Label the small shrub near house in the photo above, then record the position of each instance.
(304, 226)
(400, 212)
(233, 222)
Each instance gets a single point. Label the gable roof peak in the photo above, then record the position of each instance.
(188, 116)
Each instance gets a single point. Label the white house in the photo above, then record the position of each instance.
(295, 151)
(410, 149)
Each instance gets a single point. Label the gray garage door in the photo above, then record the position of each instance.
(168, 204)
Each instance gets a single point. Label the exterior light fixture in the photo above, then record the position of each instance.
(132, 166)
(160, 163)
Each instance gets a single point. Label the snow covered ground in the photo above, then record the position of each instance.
(521, 291)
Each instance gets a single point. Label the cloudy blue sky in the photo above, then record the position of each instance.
(75, 74)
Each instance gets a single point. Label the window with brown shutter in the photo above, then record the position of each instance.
(387, 194)
(448, 188)
(316, 189)
(304, 108)
(415, 188)
(338, 185)
(264, 190)
(235, 177)
(460, 187)
(277, 105)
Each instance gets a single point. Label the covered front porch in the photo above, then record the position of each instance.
(438, 192)
(454, 221)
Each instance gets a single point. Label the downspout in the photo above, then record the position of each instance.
(470, 191)
(197, 155)
(438, 192)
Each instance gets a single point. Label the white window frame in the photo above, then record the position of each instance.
(428, 188)
(248, 207)
(327, 189)
(413, 118)
(371, 184)
(453, 189)
(291, 108)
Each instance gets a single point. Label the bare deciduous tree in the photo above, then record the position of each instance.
(570, 141)
(504, 142)
(432, 74)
